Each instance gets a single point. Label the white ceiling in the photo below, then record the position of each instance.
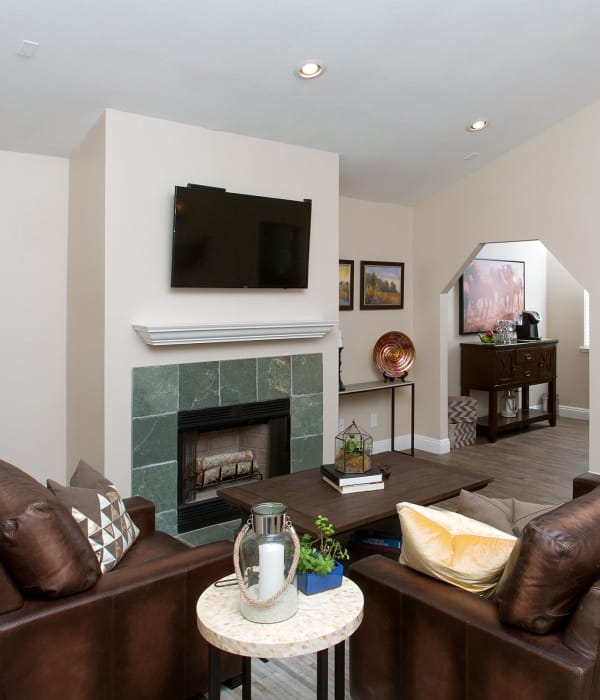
(403, 78)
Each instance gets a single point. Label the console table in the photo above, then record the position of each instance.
(323, 620)
(391, 387)
(495, 368)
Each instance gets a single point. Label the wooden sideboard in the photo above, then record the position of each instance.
(496, 368)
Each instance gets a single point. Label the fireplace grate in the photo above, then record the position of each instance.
(213, 512)
(223, 416)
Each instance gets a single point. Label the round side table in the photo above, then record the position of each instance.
(323, 620)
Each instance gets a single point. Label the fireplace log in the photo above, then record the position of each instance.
(212, 469)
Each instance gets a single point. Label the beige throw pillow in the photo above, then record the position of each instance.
(453, 548)
(507, 514)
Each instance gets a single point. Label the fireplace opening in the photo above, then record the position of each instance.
(226, 446)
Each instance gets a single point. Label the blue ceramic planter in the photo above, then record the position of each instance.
(315, 583)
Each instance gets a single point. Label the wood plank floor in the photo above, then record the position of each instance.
(536, 464)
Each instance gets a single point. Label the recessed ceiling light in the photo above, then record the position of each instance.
(477, 125)
(310, 69)
(28, 48)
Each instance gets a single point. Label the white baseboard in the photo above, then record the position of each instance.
(422, 442)
(570, 412)
(574, 412)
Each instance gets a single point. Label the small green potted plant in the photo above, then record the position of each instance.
(319, 564)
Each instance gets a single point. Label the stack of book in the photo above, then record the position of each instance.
(352, 482)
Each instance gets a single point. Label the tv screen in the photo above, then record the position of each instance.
(226, 240)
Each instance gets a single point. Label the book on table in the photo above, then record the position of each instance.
(349, 478)
(354, 488)
(376, 539)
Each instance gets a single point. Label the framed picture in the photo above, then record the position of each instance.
(490, 290)
(381, 285)
(346, 285)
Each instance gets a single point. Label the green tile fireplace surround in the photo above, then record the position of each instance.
(159, 392)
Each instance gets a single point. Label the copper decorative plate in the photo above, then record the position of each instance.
(394, 354)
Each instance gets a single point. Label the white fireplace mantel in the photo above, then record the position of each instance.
(188, 334)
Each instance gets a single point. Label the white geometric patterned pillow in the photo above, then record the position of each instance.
(103, 519)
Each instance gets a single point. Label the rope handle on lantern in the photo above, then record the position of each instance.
(288, 579)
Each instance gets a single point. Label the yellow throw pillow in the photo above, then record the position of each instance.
(451, 547)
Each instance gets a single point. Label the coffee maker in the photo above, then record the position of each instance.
(528, 328)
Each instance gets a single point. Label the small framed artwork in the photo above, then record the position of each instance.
(490, 290)
(346, 285)
(381, 285)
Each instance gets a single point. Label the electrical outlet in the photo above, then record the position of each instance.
(373, 420)
(341, 424)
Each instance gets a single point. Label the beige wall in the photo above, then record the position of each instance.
(85, 324)
(144, 159)
(374, 231)
(565, 322)
(545, 189)
(33, 279)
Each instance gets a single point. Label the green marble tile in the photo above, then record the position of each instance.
(307, 415)
(307, 374)
(238, 381)
(158, 483)
(205, 535)
(155, 390)
(198, 385)
(306, 453)
(274, 378)
(167, 522)
(154, 440)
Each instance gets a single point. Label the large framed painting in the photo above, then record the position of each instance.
(346, 285)
(490, 290)
(381, 285)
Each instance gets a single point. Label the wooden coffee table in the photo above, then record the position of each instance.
(411, 479)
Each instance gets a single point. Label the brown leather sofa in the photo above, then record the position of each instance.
(129, 633)
(538, 639)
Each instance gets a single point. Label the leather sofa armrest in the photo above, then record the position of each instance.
(142, 513)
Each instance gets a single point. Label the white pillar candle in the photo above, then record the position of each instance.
(270, 563)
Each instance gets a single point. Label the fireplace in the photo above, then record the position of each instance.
(160, 393)
(224, 446)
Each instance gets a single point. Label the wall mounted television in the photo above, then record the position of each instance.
(226, 240)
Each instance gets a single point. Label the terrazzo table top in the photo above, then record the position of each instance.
(322, 620)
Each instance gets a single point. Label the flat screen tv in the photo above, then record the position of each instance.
(226, 240)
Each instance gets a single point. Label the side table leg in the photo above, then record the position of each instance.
(214, 675)
(246, 678)
(340, 671)
(322, 674)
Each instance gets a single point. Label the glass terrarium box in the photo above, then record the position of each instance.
(353, 450)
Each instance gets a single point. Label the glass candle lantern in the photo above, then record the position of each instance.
(265, 558)
(353, 450)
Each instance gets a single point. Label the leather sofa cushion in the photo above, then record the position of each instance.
(43, 549)
(554, 563)
(507, 514)
(100, 513)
